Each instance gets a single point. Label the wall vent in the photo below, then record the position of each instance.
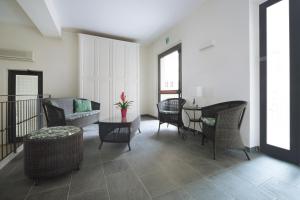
(11, 54)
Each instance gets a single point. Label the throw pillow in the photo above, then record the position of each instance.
(81, 105)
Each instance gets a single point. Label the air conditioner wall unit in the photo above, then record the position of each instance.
(18, 55)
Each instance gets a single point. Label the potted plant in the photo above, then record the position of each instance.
(123, 104)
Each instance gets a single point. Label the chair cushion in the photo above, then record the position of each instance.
(53, 132)
(169, 112)
(209, 121)
(78, 115)
(81, 105)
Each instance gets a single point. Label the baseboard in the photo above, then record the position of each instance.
(150, 116)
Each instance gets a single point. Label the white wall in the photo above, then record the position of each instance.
(144, 86)
(228, 71)
(254, 73)
(57, 58)
(224, 70)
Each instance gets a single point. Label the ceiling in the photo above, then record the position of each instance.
(140, 20)
(12, 13)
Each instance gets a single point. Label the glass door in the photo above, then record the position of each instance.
(169, 81)
(277, 137)
(24, 89)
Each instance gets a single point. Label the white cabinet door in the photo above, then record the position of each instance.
(87, 67)
(118, 73)
(103, 73)
(132, 76)
(107, 68)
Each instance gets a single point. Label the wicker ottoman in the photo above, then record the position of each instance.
(52, 151)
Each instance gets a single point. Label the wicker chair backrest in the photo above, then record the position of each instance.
(174, 104)
(211, 111)
(231, 118)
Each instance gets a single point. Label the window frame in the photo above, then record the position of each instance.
(160, 56)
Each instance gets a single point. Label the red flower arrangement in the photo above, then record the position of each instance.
(123, 104)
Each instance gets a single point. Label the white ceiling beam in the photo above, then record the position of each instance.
(42, 13)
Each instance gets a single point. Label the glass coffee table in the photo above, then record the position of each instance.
(119, 130)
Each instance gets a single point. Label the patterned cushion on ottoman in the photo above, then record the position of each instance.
(54, 132)
(52, 151)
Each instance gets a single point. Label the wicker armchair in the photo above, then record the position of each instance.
(224, 132)
(170, 112)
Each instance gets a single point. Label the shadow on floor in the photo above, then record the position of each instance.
(158, 167)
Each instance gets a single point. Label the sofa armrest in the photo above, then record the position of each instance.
(95, 105)
(55, 116)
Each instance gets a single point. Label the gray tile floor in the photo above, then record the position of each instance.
(160, 167)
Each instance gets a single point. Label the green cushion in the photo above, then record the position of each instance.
(209, 121)
(81, 105)
(53, 132)
(169, 112)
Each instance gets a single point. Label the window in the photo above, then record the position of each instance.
(169, 69)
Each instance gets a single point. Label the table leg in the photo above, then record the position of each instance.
(194, 123)
(200, 125)
(129, 146)
(100, 145)
(129, 133)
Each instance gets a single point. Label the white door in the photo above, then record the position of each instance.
(118, 71)
(132, 76)
(87, 68)
(107, 68)
(103, 74)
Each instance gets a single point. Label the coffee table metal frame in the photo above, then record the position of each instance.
(118, 130)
